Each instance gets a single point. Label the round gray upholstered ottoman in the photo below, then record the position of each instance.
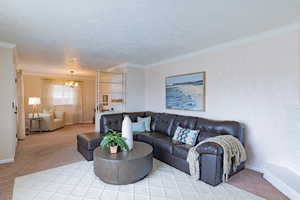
(124, 167)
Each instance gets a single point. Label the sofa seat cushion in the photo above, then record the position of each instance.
(144, 137)
(57, 120)
(89, 141)
(163, 143)
(181, 150)
(148, 137)
(157, 140)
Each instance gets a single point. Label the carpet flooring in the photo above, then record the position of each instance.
(58, 148)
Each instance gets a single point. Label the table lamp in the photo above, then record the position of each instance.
(34, 101)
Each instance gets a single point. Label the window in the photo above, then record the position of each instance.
(63, 95)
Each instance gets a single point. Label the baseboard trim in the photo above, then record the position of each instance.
(255, 168)
(85, 122)
(281, 185)
(69, 124)
(294, 168)
(10, 160)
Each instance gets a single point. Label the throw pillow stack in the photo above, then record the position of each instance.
(142, 124)
(138, 127)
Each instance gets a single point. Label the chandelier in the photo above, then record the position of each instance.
(71, 83)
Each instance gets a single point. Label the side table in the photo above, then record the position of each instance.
(39, 120)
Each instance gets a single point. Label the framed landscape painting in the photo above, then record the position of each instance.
(186, 92)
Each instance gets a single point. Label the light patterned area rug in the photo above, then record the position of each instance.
(78, 182)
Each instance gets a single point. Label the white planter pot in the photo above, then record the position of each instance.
(127, 131)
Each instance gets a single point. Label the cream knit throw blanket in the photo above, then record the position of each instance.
(234, 154)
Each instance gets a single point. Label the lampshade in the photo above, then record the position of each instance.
(34, 101)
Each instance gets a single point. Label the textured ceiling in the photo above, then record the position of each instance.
(101, 33)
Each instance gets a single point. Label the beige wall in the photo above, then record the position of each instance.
(253, 83)
(7, 116)
(33, 88)
(135, 89)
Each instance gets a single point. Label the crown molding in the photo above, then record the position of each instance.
(7, 45)
(123, 67)
(52, 75)
(232, 43)
(113, 68)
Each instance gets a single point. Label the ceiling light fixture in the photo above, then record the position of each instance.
(71, 83)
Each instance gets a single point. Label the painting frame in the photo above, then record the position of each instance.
(202, 91)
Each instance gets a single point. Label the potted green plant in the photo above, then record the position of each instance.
(113, 140)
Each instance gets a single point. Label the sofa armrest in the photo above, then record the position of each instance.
(210, 148)
(47, 122)
(59, 115)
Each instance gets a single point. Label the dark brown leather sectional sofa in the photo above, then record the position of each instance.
(163, 126)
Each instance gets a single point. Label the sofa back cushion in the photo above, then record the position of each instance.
(154, 119)
(112, 121)
(167, 124)
(205, 135)
(59, 114)
(210, 128)
(163, 124)
(184, 122)
(134, 115)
